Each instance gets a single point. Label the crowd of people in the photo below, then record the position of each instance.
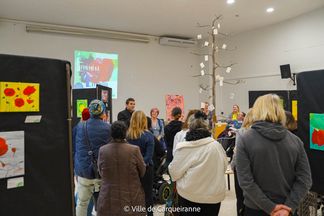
(115, 163)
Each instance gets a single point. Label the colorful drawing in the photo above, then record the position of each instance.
(19, 97)
(294, 109)
(92, 68)
(12, 154)
(316, 121)
(104, 96)
(173, 101)
(81, 104)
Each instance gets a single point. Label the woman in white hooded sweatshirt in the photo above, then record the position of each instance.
(198, 167)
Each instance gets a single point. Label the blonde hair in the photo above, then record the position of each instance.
(137, 126)
(268, 108)
(248, 119)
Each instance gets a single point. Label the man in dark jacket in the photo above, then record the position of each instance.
(90, 136)
(126, 114)
(170, 131)
(271, 162)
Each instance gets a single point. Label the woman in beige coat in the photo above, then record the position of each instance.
(121, 166)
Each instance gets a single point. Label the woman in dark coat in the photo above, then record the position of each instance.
(121, 166)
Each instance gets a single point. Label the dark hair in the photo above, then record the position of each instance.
(291, 123)
(129, 100)
(176, 111)
(201, 115)
(118, 130)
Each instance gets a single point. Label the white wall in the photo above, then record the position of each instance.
(147, 72)
(298, 42)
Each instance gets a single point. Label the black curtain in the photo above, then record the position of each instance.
(311, 94)
(48, 181)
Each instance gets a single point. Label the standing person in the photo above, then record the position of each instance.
(198, 167)
(180, 136)
(170, 131)
(139, 135)
(247, 122)
(209, 114)
(85, 117)
(126, 114)
(291, 123)
(121, 166)
(90, 136)
(157, 126)
(271, 162)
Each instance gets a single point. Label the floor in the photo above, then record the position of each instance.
(228, 206)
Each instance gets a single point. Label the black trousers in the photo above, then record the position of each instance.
(252, 212)
(239, 196)
(147, 184)
(205, 209)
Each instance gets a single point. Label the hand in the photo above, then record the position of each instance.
(281, 212)
(280, 207)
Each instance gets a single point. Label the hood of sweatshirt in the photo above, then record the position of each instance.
(270, 130)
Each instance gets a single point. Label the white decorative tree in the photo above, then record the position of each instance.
(210, 47)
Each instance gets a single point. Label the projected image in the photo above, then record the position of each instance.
(93, 68)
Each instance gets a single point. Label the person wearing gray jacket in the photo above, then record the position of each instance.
(271, 162)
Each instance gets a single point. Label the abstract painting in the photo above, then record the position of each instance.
(12, 154)
(316, 127)
(173, 101)
(81, 104)
(19, 97)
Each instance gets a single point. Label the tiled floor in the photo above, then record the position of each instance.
(228, 206)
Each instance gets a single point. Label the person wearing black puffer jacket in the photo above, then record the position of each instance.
(171, 130)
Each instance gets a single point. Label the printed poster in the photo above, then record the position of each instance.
(19, 97)
(171, 102)
(12, 154)
(81, 105)
(316, 122)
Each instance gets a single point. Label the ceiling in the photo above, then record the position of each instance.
(156, 17)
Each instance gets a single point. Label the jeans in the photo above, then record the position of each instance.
(85, 189)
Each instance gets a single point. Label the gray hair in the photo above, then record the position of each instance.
(196, 123)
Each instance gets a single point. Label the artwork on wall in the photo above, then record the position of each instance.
(104, 96)
(19, 97)
(294, 109)
(81, 105)
(316, 122)
(171, 102)
(12, 154)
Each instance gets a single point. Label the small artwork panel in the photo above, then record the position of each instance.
(316, 121)
(12, 154)
(104, 96)
(19, 97)
(173, 101)
(294, 109)
(81, 105)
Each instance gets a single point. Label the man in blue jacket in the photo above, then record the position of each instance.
(90, 136)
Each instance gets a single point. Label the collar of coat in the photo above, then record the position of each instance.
(196, 143)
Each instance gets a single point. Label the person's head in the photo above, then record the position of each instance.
(118, 130)
(291, 123)
(206, 105)
(130, 104)
(85, 114)
(268, 108)
(248, 119)
(240, 116)
(97, 109)
(176, 113)
(190, 113)
(154, 112)
(198, 121)
(235, 108)
(138, 124)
